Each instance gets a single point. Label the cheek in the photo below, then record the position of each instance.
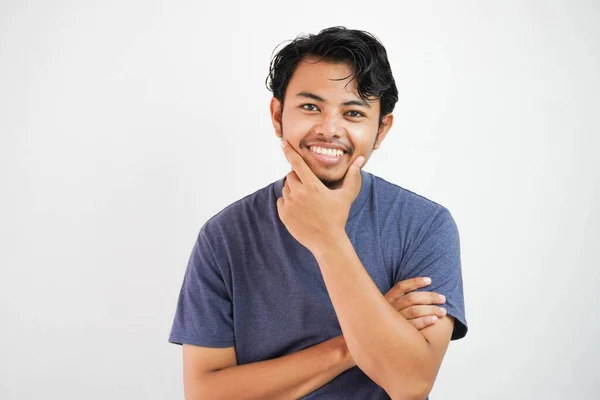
(364, 137)
(294, 124)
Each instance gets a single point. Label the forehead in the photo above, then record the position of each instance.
(326, 78)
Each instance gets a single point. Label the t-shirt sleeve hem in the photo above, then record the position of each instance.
(202, 342)
(460, 324)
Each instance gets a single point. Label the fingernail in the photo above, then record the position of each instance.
(444, 311)
(442, 297)
(361, 161)
(433, 318)
(427, 280)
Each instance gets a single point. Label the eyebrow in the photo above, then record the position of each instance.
(322, 100)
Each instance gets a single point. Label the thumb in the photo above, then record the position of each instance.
(353, 180)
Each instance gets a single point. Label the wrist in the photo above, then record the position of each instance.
(345, 358)
(328, 243)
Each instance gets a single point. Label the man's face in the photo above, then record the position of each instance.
(325, 120)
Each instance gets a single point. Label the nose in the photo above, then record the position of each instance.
(330, 125)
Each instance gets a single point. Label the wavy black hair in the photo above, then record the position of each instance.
(359, 49)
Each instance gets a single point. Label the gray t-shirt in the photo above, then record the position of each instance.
(251, 285)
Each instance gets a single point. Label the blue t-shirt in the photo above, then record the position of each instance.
(251, 285)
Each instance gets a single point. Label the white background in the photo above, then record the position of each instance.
(125, 125)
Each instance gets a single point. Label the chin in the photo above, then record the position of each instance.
(331, 180)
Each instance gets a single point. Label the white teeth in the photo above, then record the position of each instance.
(327, 152)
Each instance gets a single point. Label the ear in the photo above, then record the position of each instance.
(276, 115)
(386, 123)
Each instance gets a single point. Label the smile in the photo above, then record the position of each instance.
(326, 151)
(327, 156)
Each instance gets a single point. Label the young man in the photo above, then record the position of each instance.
(312, 286)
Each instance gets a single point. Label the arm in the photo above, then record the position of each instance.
(204, 324)
(402, 360)
(212, 373)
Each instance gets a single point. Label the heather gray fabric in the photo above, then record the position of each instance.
(251, 285)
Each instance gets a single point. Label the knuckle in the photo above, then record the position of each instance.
(420, 312)
(419, 323)
(399, 287)
(413, 312)
(411, 297)
(401, 304)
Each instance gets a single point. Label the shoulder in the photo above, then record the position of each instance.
(406, 205)
(241, 215)
(408, 220)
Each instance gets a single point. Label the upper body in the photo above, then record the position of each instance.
(279, 279)
(250, 285)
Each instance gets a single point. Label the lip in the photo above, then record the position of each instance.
(325, 159)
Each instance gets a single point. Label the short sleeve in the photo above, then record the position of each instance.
(204, 315)
(436, 254)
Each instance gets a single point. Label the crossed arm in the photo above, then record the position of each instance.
(386, 347)
(211, 373)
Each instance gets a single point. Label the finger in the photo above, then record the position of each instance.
(406, 286)
(302, 170)
(423, 322)
(286, 191)
(280, 205)
(293, 180)
(418, 298)
(353, 180)
(414, 312)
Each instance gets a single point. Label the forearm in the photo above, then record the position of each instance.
(382, 343)
(291, 376)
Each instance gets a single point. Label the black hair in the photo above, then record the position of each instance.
(359, 49)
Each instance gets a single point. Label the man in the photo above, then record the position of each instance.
(312, 286)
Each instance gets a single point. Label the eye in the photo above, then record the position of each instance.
(309, 107)
(355, 114)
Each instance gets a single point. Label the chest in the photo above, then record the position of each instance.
(280, 301)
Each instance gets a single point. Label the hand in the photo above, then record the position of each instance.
(417, 307)
(313, 213)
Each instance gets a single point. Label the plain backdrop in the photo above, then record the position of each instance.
(125, 125)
